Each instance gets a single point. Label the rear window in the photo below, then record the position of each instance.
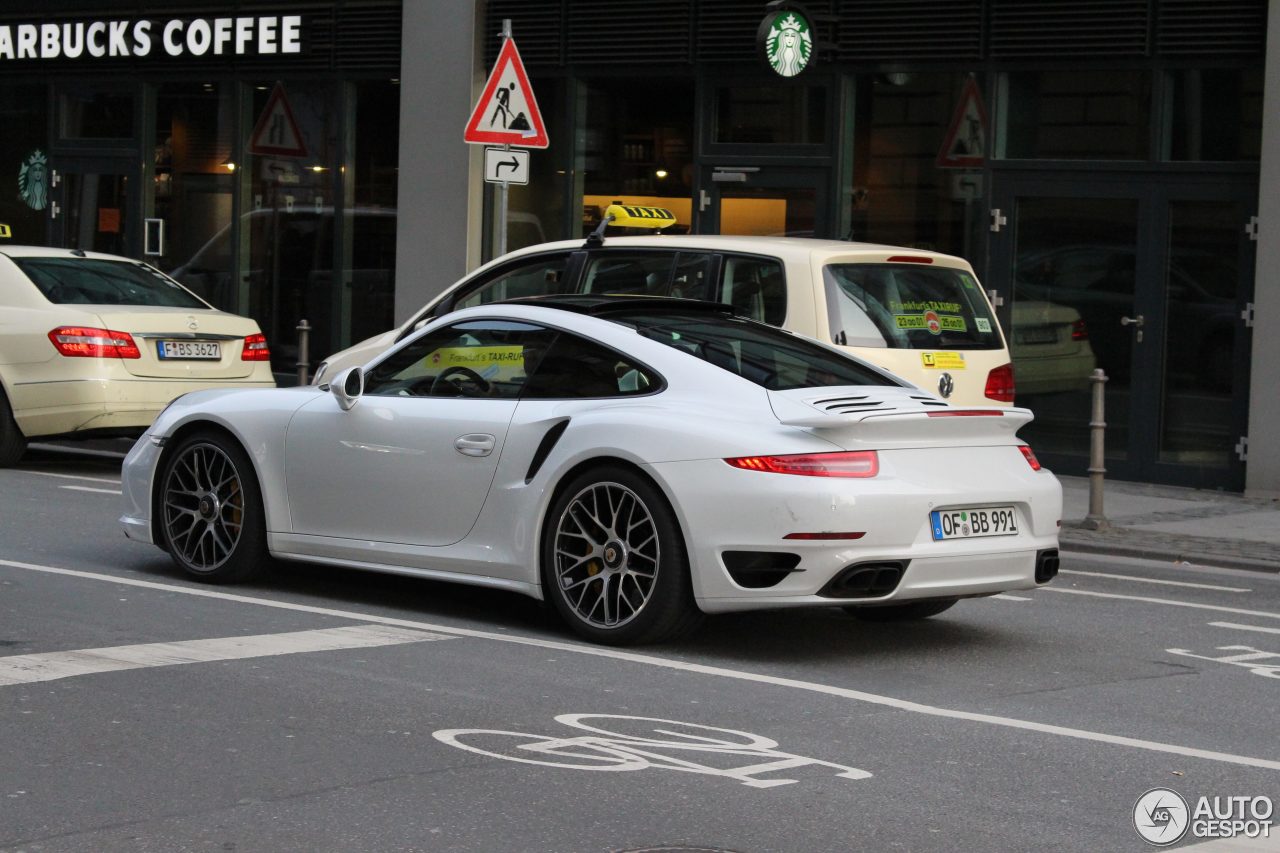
(88, 281)
(769, 357)
(908, 306)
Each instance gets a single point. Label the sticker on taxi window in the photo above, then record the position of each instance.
(5, 231)
(936, 323)
(983, 324)
(500, 363)
(943, 360)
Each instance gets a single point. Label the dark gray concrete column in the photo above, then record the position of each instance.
(439, 201)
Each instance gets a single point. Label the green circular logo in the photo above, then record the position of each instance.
(788, 44)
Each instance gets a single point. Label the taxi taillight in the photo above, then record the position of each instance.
(255, 348)
(87, 342)
(1000, 384)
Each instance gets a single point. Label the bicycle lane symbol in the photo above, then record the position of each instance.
(604, 750)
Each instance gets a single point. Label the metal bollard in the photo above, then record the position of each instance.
(304, 350)
(1095, 520)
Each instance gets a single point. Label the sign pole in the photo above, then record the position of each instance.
(503, 187)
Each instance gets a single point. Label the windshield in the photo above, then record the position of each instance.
(92, 281)
(907, 306)
(769, 357)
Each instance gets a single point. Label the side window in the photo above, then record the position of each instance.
(634, 274)
(574, 368)
(534, 277)
(481, 358)
(692, 279)
(755, 287)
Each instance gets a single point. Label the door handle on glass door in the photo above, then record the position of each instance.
(1133, 321)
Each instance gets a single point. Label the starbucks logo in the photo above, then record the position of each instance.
(788, 45)
(33, 181)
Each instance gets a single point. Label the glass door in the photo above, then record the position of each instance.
(95, 207)
(1145, 278)
(765, 201)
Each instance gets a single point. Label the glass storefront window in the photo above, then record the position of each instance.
(290, 189)
(1214, 114)
(535, 211)
(770, 115)
(95, 113)
(1074, 115)
(370, 238)
(902, 194)
(636, 145)
(193, 178)
(24, 162)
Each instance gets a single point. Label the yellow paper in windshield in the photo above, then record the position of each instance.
(943, 360)
(492, 363)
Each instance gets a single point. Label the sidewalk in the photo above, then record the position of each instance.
(1174, 524)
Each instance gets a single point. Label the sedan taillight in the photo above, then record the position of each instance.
(1079, 332)
(85, 342)
(1000, 384)
(852, 463)
(255, 348)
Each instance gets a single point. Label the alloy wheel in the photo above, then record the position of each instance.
(204, 507)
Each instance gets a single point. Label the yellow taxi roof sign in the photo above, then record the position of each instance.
(635, 216)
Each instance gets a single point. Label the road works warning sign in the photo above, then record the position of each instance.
(507, 113)
(965, 145)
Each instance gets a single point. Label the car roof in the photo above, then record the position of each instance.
(786, 247)
(602, 304)
(51, 252)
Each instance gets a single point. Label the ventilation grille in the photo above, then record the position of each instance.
(655, 32)
(1069, 28)
(1211, 29)
(899, 30)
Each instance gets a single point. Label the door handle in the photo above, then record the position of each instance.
(475, 444)
(1132, 321)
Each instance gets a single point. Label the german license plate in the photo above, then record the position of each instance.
(1036, 335)
(973, 523)
(189, 349)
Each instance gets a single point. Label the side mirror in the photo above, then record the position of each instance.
(347, 387)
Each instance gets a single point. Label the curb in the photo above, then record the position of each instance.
(1166, 555)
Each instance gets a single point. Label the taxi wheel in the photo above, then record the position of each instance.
(210, 507)
(613, 560)
(901, 612)
(12, 443)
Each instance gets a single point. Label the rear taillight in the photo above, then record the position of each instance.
(85, 342)
(1078, 331)
(1030, 456)
(852, 463)
(255, 348)
(1000, 384)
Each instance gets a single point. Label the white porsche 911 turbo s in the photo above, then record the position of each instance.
(637, 461)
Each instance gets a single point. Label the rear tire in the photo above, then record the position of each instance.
(12, 442)
(613, 560)
(210, 509)
(911, 610)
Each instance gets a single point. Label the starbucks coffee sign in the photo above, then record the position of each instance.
(785, 39)
(245, 35)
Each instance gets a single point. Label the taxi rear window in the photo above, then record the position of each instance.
(908, 306)
(93, 281)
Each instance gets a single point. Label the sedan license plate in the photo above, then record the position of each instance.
(972, 523)
(1036, 335)
(189, 350)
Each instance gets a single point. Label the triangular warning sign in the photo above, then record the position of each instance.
(507, 113)
(966, 139)
(276, 134)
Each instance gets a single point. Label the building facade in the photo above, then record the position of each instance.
(1100, 162)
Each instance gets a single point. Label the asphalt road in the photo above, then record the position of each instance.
(379, 713)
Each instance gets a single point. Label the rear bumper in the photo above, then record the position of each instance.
(62, 408)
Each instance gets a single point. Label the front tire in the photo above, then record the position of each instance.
(909, 611)
(613, 560)
(12, 442)
(211, 517)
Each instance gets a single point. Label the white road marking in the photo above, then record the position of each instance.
(71, 476)
(91, 489)
(1169, 601)
(683, 666)
(49, 666)
(1004, 596)
(1153, 580)
(1240, 627)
